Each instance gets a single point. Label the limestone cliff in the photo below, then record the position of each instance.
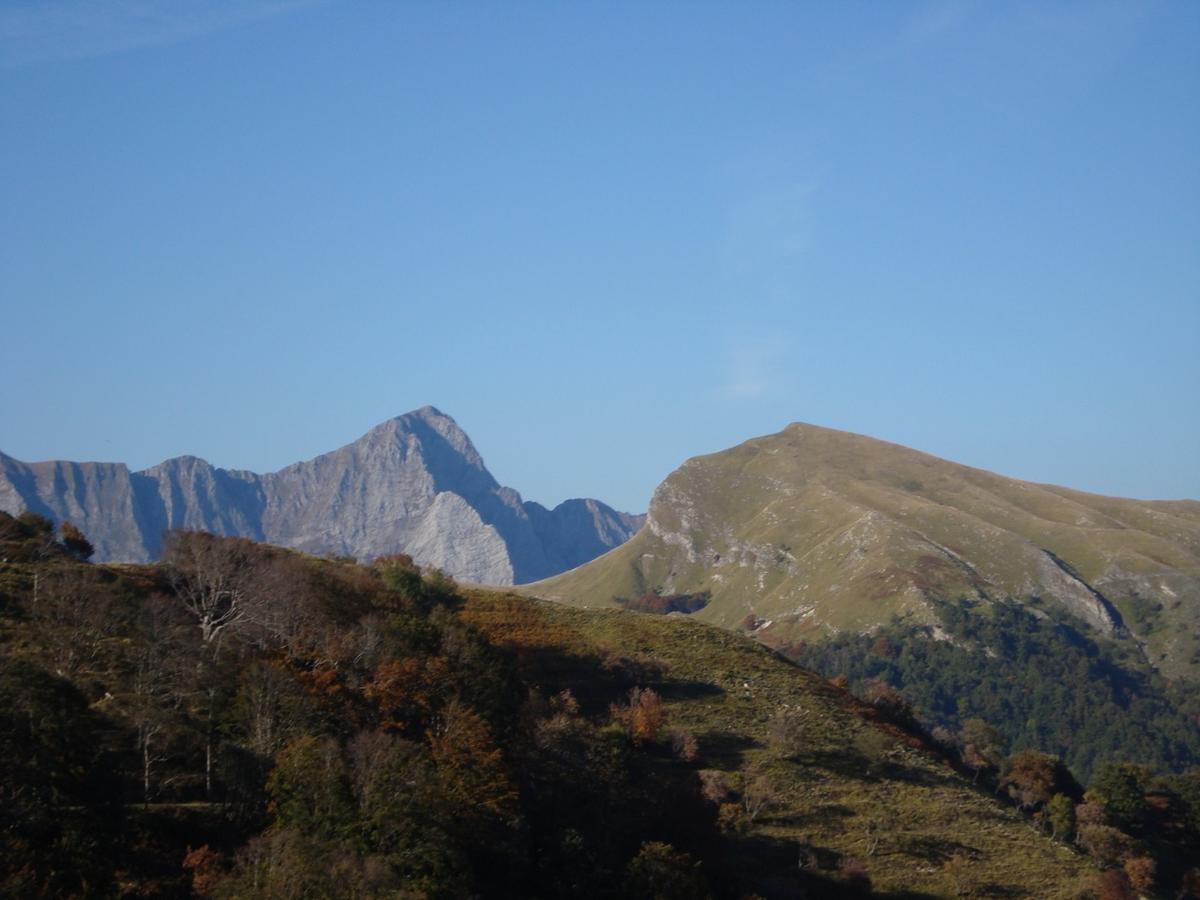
(415, 484)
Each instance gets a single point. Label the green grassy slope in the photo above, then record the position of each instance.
(848, 778)
(815, 531)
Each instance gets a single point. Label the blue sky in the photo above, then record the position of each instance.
(605, 237)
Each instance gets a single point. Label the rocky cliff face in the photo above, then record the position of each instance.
(414, 484)
(813, 531)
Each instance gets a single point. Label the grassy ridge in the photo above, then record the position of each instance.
(818, 531)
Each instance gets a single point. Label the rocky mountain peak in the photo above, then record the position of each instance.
(437, 441)
(414, 484)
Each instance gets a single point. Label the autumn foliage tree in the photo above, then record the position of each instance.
(890, 703)
(982, 746)
(1113, 884)
(1140, 871)
(470, 767)
(407, 692)
(1033, 778)
(75, 543)
(644, 717)
(207, 867)
(78, 605)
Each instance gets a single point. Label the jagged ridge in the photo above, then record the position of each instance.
(414, 484)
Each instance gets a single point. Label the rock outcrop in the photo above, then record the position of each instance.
(414, 484)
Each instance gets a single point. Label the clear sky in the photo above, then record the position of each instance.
(604, 237)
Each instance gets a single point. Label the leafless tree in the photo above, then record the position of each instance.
(760, 791)
(154, 695)
(712, 786)
(271, 707)
(875, 828)
(208, 574)
(786, 730)
(261, 594)
(76, 603)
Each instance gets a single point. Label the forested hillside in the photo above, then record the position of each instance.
(248, 721)
(1043, 684)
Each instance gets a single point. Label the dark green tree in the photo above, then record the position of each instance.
(309, 789)
(59, 808)
(1121, 789)
(660, 872)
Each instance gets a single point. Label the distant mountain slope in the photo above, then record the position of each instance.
(813, 531)
(414, 484)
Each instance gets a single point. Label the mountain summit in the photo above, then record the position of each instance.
(414, 484)
(813, 531)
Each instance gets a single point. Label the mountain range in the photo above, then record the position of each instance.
(811, 532)
(414, 484)
(984, 622)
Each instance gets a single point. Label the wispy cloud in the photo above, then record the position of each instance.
(1090, 38)
(770, 227)
(766, 243)
(752, 370)
(54, 30)
(1084, 36)
(932, 22)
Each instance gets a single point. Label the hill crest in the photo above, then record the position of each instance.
(812, 530)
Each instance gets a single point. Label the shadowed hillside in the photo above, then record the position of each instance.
(246, 721)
